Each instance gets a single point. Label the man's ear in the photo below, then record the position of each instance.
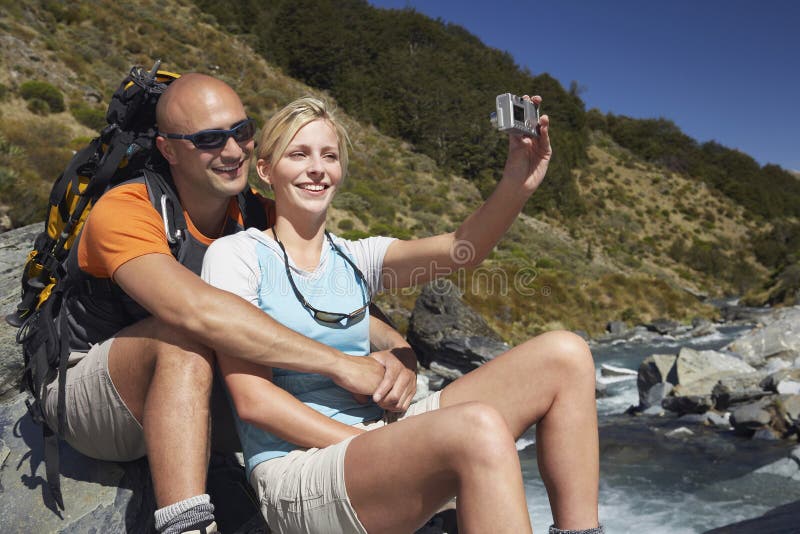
(166, 150)
(263, 170)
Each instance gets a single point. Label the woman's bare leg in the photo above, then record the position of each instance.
(548, 381)
(398, 476)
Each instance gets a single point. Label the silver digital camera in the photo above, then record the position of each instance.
(515, 115)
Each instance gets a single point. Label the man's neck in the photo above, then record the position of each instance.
(207, 213)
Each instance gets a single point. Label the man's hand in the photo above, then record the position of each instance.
(358, 375)
(399, 383)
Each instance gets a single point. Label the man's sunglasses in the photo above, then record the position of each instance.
(210, 139)
(320, 315)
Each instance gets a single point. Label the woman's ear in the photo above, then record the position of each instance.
(262, 168)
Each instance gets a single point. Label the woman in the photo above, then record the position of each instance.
(323, 461)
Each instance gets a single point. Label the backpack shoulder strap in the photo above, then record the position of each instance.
(166, 202)
(252, 209)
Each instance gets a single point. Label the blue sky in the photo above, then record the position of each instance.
(722, 70)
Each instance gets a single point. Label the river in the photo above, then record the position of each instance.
(654, 484)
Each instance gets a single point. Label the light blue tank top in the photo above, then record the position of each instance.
(333, 287)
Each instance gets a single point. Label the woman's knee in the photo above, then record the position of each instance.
(481, 433)
(569, 352)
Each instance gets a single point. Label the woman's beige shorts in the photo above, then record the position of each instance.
(304, 491)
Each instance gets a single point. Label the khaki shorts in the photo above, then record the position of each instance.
(98, 424)
(304, 491)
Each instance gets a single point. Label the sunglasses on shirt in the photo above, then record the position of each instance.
(321, 315)
(210, 139)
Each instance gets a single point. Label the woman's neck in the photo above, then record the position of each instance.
(303, 242)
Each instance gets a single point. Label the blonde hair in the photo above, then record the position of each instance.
(281, 128)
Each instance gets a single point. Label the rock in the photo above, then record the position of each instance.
(780, 520)
(697, 372)
(681, 432)
(794, 454)
(14, 250)
(662, 326)
(780, 335)
(106, 496)
(766, 434)
(737, 389)
(422, 387)
(790, 407)
(684, 404)
(702, 327)
(610, 370)
(92, 96)
(771, 381)
(775, 364)
(600, 389)
(616, 327)
(443, 329)
(447, 373)
(788, 387)
(719, 420)
(786, 468)
(654, 370)
(657, 394)
(748, 418)
(742, 314)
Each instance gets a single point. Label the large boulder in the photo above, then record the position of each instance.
(779, 415)
(447, 335)
(655, 369)
(780, 336)
(737, 389)
(697, 372)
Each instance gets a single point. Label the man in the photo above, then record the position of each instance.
(142, 362)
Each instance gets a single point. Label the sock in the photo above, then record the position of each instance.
(596, 530)
(188, 514)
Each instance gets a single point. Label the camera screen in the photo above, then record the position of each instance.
(519, 113)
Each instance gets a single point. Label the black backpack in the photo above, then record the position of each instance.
(124, 149)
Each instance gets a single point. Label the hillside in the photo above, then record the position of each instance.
(647, 243)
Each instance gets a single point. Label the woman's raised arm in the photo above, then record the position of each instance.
(420, 260)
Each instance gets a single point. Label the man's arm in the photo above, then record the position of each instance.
(230, 325)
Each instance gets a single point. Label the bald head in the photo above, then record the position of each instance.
(193, 101)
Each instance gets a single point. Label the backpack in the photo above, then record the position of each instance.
(123, 150)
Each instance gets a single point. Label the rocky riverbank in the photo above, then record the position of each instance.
(731, 399)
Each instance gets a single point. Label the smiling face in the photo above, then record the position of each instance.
(305, 177)
(191, 104)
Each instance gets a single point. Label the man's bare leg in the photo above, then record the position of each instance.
(166, 383)
(398, 476)
(548, 381)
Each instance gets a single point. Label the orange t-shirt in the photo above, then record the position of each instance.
(123, 225)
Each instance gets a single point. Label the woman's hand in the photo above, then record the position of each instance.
(528, 157)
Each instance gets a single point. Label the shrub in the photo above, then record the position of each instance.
(35, 89)
(89, 116)
(346, 224)
(38, 106)
(354, 235)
